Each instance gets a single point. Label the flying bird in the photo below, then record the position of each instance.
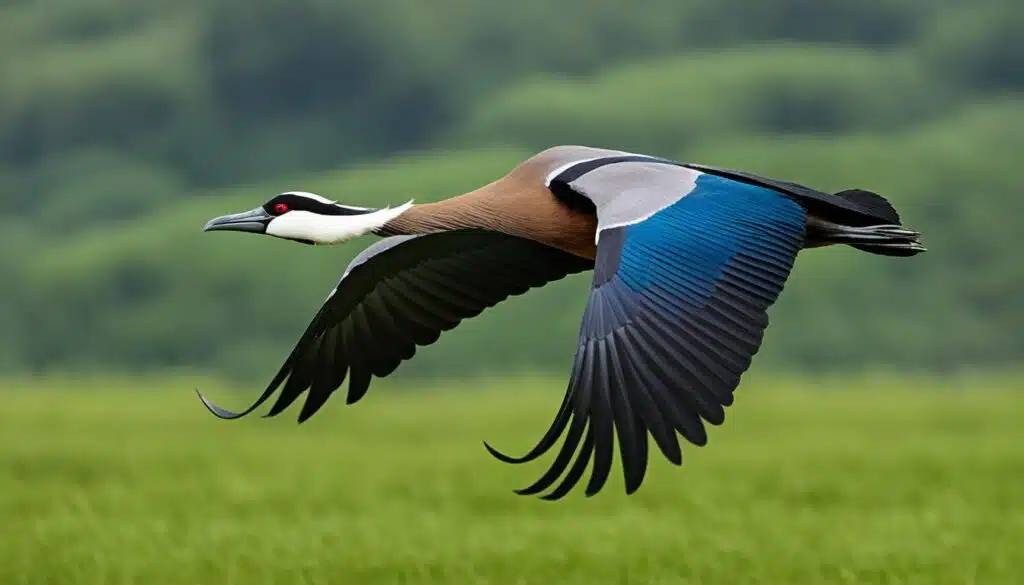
(686, 261)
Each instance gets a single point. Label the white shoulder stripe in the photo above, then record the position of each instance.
(551, 176)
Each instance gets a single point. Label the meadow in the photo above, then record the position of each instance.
(880, 479)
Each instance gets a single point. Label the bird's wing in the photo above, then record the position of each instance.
(400, 293)
(687, 265)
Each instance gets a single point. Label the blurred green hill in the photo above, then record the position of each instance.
(124, 126)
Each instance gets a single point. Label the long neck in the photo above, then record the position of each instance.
(516, 205)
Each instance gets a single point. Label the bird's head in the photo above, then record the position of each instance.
(307, 218)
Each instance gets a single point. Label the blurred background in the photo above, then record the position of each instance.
(125, 125)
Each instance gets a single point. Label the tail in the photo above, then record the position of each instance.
(886, 238)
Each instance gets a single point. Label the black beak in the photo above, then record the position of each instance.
(254, 221)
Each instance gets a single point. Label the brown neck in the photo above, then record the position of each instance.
(518, 204)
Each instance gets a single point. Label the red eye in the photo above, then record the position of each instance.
(280, 208)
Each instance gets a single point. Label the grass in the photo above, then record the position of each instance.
(880, 481)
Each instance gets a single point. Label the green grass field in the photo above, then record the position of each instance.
(890, 481)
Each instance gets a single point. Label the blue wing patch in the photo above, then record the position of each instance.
(677, 311)
(718, 220)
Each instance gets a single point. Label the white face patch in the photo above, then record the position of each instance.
(330, 229)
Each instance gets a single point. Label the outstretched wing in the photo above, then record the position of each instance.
(400, 293)
(687, 266)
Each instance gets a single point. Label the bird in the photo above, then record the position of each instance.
(686, 260)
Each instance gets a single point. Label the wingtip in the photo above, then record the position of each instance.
(215, 410)
(501, 456)
(496, 454)
(534, 454)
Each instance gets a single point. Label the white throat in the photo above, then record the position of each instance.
(331, 229)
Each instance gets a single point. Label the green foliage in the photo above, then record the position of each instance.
(722, 22)
(72, 95)
(981, 48)
(102, 483)
(95, 188)
(670, 104)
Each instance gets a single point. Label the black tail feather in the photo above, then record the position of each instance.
(872, 204)
(893, 249)
(884, 240)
